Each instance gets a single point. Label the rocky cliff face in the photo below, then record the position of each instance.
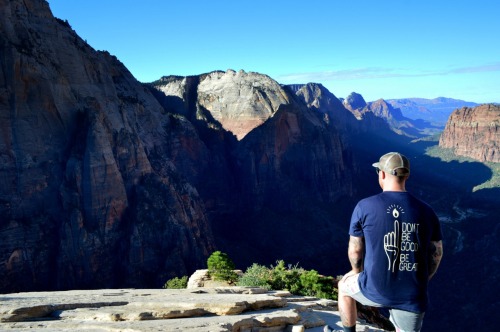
(271, 156)
(355, 103)
(86, 167)
(110, 183)
(474, 132)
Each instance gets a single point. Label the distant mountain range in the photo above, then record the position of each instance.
(435, 111)
(397, 121)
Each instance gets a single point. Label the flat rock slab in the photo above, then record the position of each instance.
(205, 309)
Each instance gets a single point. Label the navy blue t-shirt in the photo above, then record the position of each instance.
(397, 228)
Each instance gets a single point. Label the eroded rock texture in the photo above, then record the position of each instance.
(90, 195)
(474, 132)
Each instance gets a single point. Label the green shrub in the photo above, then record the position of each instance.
(309, 283)
(314, 284)
(286, 278)
(176, 283)
(256, 276)
(221, 267)
(292, 278)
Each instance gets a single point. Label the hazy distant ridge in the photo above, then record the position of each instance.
(435, 110)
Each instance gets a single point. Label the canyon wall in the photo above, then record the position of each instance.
(474, 132)
(86, 166)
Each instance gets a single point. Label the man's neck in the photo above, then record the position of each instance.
(394, 186)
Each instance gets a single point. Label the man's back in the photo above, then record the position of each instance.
(397, 229)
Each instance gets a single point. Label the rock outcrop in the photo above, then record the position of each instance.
(355, 103)
(239, 101)
(208, 309)
(474, 132)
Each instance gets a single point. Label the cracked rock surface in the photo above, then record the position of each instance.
(207, 309)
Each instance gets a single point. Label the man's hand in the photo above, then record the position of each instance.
(391, 246)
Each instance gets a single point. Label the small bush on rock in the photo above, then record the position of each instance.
(256, 276)
(176, 283)
(221, 267)
(286, 277)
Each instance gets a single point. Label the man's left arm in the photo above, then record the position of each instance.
(435, 257)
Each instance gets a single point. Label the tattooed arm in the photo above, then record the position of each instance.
(436, 249)
(355, 253)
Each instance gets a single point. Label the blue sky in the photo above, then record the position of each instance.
(380, 49)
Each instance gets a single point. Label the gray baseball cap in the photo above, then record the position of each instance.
(394, 163)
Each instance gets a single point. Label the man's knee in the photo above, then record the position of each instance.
(342, 285)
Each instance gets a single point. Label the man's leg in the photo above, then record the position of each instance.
(347, 305)
(406, 321)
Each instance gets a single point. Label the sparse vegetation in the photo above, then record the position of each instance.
(296, 280)
(176, 283)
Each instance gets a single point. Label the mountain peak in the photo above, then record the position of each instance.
(354, 101)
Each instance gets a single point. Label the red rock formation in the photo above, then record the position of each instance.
(474, 132)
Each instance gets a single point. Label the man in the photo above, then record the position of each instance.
(395, 248)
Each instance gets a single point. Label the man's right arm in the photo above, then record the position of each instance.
(356, 252)
(436, 249)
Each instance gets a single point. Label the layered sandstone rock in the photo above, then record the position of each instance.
(239, 101)
(90, 193)
(474, 132)
(272, 128)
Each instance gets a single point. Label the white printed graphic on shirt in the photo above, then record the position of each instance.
(399, 242)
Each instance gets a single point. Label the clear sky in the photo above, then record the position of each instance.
(380, 49)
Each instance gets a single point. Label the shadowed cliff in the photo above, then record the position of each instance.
(85, 166)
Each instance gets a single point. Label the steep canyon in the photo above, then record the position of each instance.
(107, 182)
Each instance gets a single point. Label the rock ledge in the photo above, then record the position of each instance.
(208, 309)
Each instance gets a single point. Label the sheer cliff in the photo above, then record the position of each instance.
(274, 162)
(87, 171)
(106, 182)
(474, 132)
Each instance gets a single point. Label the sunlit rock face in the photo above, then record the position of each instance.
(285, 151)
(474, 132)
(239, 101)
(86, 171)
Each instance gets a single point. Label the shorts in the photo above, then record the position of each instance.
(404, 321)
